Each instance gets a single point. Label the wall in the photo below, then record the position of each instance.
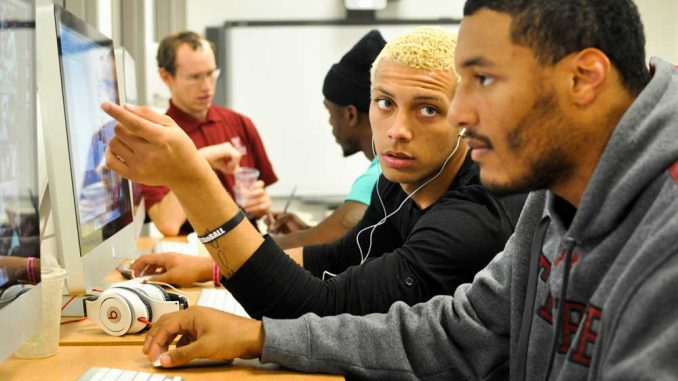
(659, 18)
(203, 13)
(658, 15)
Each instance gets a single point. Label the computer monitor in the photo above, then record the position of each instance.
(91, 205)
(127, 79)
(20, 311)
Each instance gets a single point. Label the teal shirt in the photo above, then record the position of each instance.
(361, 191)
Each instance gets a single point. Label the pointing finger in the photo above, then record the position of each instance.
(132, 123)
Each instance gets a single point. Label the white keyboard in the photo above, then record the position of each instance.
(113, 374)
(187, 248)
(220, 299)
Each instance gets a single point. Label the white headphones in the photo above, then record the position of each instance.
(129, 308)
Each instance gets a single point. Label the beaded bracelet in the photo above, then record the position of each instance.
(216, 274)
(30, 270)
(223, 229)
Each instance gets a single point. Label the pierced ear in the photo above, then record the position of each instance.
(591, 71)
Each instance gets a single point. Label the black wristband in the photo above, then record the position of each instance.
(223, 229)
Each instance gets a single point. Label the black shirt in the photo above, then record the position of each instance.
(416, 254)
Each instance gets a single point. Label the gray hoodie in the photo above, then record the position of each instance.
(620, 316)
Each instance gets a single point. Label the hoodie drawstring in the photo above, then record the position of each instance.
(530, 296)
(571, 244)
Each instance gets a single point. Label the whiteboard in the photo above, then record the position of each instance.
(274, 75)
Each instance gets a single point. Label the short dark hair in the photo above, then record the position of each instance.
(167, 51)
(556, 28)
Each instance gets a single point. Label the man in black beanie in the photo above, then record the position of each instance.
(347, 99)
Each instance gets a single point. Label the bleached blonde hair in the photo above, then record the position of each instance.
(425, 47)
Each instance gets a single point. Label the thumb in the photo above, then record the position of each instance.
(150, 115)
(181, 355)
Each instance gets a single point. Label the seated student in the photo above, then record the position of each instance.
(187, 66)
(556, 95)
(430, 226)
(347, 99)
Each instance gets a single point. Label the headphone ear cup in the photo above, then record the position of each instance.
(154, 291)
(119, 309)
(141, 297)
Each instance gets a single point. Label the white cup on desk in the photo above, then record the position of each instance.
(45, 342)
(245, 177)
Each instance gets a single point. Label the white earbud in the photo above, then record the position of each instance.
(363, 257)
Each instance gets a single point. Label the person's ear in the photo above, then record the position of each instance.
(352, 115)
(590, 70)
(166, 77)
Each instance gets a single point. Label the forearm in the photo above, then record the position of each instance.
(252, 337)
(17, 270)
(406, 343)
(335, 226)
(208, 206)
(168, 215)
(271, 284)
(297, 254)
(322, 233)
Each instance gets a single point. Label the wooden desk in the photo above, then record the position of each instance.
(83, 345)
(71, 362)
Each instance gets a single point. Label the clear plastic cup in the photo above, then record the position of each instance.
(245, 177)
(45, 342)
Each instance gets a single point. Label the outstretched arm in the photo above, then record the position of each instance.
(151, 148)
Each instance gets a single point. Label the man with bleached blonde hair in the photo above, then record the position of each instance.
(430, 226)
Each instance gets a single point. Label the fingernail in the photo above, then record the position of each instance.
(165, 359)
(131, 107)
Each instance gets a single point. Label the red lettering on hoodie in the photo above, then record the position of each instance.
(571, 319)
(589, 336)
(546, 310)
(575, 258)
(544, 267)
(673, 170)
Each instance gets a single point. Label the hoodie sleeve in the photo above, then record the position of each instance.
(465, 336)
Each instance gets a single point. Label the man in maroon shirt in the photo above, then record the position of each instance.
(188, 68)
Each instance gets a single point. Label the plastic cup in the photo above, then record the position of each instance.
(245, 177)
(45, 342)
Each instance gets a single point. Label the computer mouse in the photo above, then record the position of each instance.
(197, 362)
(13, 292)
(125, 270)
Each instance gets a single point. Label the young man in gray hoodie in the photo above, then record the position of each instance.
(555, 98)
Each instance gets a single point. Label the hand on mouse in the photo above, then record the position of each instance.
(205, 333)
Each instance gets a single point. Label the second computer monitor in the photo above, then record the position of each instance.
(19, 230)
(91, 204)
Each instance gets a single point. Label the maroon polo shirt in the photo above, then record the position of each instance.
(221, 125)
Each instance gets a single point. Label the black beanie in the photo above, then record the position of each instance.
(348, 81)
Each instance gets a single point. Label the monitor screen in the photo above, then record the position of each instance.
(19, 221)
(88, 79)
